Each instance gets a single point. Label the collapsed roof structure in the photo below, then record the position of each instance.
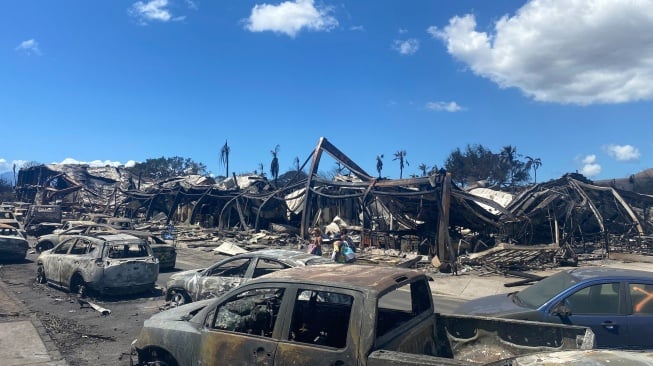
(429, 214)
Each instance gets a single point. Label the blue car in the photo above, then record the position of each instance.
(617, 304)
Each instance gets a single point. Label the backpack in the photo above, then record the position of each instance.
(348, 252)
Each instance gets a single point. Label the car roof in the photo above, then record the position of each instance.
(364, 277)
(587, 273)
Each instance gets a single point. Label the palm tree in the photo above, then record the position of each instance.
(260, 169)
(296, 163)
(224, 157)
(423, 168)
(274, 165)
(534, 163)
(508, 157)
(401, 156)
(379, 164)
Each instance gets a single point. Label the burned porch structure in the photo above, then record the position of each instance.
(429, 214)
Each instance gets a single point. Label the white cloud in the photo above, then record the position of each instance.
(357, 28)
(406, 47)
(565, 51)
(97, 163)
(6, 166)
(444, 106)
(290, 17)
(31, 46)
(590, 167)
(622, 152)
(155, 10)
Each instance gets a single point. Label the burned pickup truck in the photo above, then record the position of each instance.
(339, 315)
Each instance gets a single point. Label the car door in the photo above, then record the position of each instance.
(601, 307)
(243, 329)
(322, 327)
(640, 321)
(221, 278)
(76, 259)
(52, 263)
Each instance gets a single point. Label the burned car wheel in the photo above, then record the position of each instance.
(40, 274)
(78, 285)
(159, 358)
(179, 297)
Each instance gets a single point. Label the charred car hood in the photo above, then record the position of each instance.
(181, 313)
(184, 275)
(500, 305)
(586, 358)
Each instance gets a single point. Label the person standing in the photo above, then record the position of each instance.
(315, 244)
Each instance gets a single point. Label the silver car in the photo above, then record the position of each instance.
(104, 263)
(204, 283)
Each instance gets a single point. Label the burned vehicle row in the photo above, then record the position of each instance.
(339, 314)
(105, 264)
(198, 284)
(165, 252)
(13, 245)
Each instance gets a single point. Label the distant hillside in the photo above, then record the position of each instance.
(7, 177)
(641, 182)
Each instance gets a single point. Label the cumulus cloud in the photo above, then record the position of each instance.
(31, 46)
(564, 51)
(290, 17)
(8, 166)
(97, 163)
(357, 28)
(406, 47)
(444, 106)
(590, 167)
(622, 152)
(154, 10)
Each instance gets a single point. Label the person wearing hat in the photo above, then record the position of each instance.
(315, 244)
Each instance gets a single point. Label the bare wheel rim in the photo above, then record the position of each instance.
(178, 298)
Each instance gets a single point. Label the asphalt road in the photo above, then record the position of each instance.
(85, 336)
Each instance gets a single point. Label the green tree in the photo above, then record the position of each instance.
(163, 168)
(475, 163)
(379, 164)
(401, 156)
(224, 157)
(535, 164)
(274, 165)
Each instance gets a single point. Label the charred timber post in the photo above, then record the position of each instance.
(443, 226)
(306, 217)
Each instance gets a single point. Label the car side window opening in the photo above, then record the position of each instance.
(265, 266)
(641, 296)
(321, 318)
(597, 299)
(401, 305)
(63, 247)
(80, 247)
(235, 268)
(252, 312)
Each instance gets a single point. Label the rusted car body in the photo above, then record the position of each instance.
(165, 252)
(199, 284)
(338, 315)
(118, 223)
(13, 245)
(106, 264)
(9, 218)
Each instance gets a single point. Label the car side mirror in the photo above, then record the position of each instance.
(561, 309)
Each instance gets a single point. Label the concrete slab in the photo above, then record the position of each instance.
(20, 344)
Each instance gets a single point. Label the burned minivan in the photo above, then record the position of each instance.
(104, 263)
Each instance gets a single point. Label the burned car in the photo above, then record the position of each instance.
(199, 284)
(164, 251)
(48, 241)
(104, 263)
(13, 245)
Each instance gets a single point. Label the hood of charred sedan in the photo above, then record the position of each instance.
(500, 305)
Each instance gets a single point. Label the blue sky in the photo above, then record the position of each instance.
(112, 82)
